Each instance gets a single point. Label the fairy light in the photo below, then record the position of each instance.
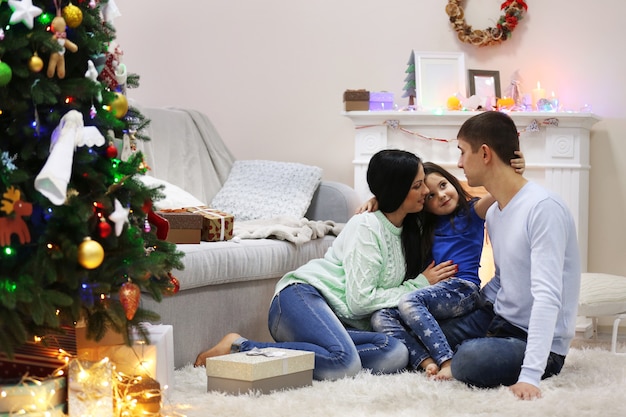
(90, 388)
(35, 396)
(45, 19)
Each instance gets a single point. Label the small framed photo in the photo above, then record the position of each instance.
(439, 75)
(484, 84)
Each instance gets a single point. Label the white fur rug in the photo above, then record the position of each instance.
(592, 383)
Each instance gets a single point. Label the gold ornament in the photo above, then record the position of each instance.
(90, 253)
(119, 106)
(73, 15)
(35, 64)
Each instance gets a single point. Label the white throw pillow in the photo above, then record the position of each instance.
(258, 189)
(175, 197)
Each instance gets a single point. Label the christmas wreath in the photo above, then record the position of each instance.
(513, 13)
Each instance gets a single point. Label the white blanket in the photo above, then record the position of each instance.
(294, 230)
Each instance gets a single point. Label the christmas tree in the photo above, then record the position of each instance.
(409, 81)
(77, 230)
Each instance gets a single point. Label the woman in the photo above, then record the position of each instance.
(325, 306)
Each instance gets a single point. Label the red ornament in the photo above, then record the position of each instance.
(104, 228)
(111, 151)
(129, 297)
(174, 286)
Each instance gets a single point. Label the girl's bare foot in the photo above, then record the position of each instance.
(222, 348)
(430, 367)
(445, 373)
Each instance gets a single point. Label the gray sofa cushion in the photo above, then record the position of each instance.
(213, 263)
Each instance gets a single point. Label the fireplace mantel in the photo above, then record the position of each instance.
(555, 145)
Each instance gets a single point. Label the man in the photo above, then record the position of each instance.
(531, 302)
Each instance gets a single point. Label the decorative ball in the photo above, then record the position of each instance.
(119, 106)
(73, 15)
(453, 103)
(5, 74)
(111, 151)
(90, 253)
(174, 285)
(104, 228)
(35, 64)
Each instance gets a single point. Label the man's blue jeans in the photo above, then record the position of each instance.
(300, 318)
(490, 350)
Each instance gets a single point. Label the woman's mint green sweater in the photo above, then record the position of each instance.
(362, 272)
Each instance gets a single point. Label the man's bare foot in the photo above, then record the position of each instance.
(222, 348)
(445, 373)
(430, 367)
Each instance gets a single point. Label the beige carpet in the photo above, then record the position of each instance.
(592, 383)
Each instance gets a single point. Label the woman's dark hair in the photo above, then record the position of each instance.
(390, 176)
(430, 219)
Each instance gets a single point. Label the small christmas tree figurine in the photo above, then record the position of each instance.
(74, 217)
(409, 86)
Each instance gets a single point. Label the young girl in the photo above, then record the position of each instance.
(325, 306)
(453, 229)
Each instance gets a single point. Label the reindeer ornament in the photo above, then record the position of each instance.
(15, 209)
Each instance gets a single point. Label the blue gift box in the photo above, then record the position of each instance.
(381, 101)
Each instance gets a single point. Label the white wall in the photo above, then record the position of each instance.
(271, 75)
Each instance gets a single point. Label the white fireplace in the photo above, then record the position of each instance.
(555, 145)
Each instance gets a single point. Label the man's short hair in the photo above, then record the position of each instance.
(494, 129)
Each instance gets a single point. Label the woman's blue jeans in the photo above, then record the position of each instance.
(415, 321)
(300, 318)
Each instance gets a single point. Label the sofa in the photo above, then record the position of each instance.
(225, 286)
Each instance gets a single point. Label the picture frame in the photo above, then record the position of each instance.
(439, 75)
(484, 83)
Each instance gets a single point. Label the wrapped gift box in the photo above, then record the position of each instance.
(39, 359)
(355, 100)
(263, 370)
(138, 397)
(216, 225)
(154, 359)
(33, 397)
(57, 411)
(185, 227)
(381, 101)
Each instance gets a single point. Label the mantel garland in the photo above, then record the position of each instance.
(513, 12)
(393, 124)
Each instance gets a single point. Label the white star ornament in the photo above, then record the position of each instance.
(119, 217)
(24, 11)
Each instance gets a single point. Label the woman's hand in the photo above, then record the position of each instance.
(435, 273)
(369, 205)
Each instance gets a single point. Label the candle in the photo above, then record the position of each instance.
(555, 102)
(505, 103)
(538, 93)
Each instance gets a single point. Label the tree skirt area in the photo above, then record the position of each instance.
(592, 383)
